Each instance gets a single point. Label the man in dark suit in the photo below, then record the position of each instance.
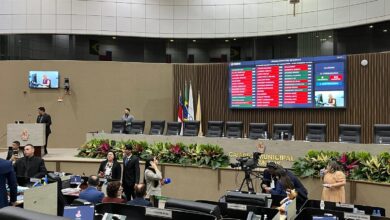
(131, 172)
(7, 175)
(140, 193)
(29, 165)
(14, 153)
(92, 194)
(45, 118)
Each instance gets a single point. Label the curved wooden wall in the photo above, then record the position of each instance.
(368, 98)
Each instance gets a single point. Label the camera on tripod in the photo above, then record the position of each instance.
(246, 163)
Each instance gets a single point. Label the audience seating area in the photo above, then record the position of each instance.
(314, 132)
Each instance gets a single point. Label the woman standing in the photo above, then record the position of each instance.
(110, 168)
(153, 177)
(334, 182)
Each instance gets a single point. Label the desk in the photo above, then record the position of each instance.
(285, 152)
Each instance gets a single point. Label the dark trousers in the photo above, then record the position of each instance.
(45, 147)
(129, 191)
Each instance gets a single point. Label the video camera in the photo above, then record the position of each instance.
(246, 163)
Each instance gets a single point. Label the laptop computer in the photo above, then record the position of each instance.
(79, 212)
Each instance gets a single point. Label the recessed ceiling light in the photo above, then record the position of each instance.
(289, 37)
(234, 39)
(330, 36)
(194, 40)
(371, 26)
(385, 30)
(226, 40)
(113, 38)
(172, 40)
(317, 36)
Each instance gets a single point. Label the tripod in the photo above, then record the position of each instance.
(248, 181)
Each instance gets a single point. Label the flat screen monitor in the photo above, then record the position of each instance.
(43, 79)
(75, 180)
(308, 82)
(79, 212)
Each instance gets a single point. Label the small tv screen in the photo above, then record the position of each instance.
(43, 79)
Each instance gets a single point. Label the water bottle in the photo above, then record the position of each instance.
(281, 135)
(265, 217)
(340, 139)
(307, 138)
(141, 131)
(322, 205)
(376, 212)
(293, 137)
(380, 140)
(265, 135)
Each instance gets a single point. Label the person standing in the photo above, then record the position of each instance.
(152, 177)
(7, 175)
(110, 168)
(334, 182)
(44, 118)
(131, 172)
(127, 117)
(29, 165)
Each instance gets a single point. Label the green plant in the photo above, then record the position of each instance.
(179, 153)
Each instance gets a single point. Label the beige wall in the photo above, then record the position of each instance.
(100, 92)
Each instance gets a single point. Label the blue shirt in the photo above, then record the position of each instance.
(139, 202)
(91, 194)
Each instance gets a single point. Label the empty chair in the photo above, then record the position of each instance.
(283, 132)
(349, 133)
(191, 128)
(118, 126)
(157, 127)
(214, 129)
(382, 133)
(136, 127)
(258, 131)
(315, 132)
(234, 129)
(173, 128)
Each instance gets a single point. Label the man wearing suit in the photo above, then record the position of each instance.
(92, 194)
(29, 165)
(45, 118)
(7, 175)
(140, 193)
(131, 172)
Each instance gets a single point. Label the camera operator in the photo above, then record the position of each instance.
(278, 172)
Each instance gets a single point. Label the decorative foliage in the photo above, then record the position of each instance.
(179, 153)
(356, 165)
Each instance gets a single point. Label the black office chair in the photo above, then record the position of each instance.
(179, 204)
(382, 133)
(287, 129)
(137, 127)
(173, 128)
(191, 128)
(258, 131)
(234, 129)
(214, 128)
(315, 132)
(350, 133)
(16, 213)
(118, 126)
(157, 127)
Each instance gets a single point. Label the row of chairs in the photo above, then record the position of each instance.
(234, 129)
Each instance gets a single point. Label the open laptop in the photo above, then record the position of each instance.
(79, 212)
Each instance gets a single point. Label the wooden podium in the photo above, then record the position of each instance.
(34, 134)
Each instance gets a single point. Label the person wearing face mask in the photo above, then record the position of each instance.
(110, 168)
(127, 117)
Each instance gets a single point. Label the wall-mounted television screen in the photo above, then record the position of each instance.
(43, 79)
(309, 82)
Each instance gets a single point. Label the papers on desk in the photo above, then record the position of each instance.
(71, 191)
